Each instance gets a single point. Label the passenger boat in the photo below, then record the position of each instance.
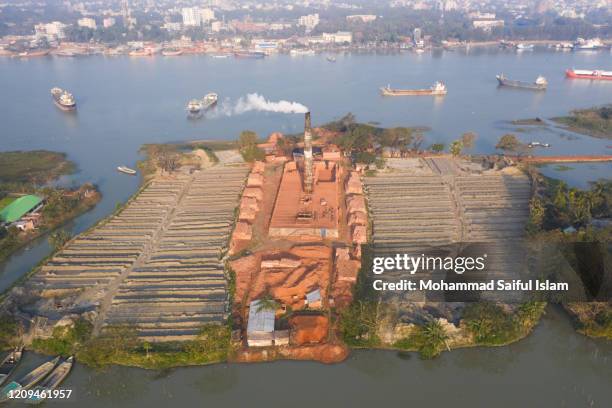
(10, 362)
(29, 380)
(539, 84)
(194, 106)
(523, 47)
(589, 74)
(437, 89)
(59, 374)
(126, 170)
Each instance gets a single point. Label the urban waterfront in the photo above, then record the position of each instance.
(126, 102)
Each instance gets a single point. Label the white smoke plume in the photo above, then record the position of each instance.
(256, 102)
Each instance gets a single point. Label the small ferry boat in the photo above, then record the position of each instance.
(10, 362)
(531, 145)
(59, 374)
(126, 170)
(29, 380)
(539, 84)
(63, 99)
(437, 89)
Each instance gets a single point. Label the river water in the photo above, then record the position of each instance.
(124, 102)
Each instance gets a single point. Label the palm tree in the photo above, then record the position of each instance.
(267, 302)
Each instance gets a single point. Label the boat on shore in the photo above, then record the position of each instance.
(589, 74)
(126, 170)
(29, 380)
(63, 99)
(10, 362)
(539, 84)
(59, 374)
(297, 52)
(31, 54)
(437, 89)
(250, 54)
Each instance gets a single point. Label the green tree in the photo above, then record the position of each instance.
(509, 143)
(468, 139)
(59, 238)
(437, 147)
(456, 147)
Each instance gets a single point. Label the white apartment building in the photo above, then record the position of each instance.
(87, 22)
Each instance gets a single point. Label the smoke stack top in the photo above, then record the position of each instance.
(307, 124)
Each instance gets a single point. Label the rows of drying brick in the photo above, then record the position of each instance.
(182, 285)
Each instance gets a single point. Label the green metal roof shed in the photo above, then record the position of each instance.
(20, 207)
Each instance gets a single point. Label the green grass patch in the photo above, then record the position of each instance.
(37, 166)
(6, 201)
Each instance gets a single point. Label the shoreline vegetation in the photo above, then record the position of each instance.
(595, 121)
(31, 172)
(359, 326)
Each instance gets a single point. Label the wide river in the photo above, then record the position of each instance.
(125, 102)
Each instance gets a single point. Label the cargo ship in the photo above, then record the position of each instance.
(209, 100)
(195, 106)
(540, 83)
(437, 89)
(63, 99)
(589, 74)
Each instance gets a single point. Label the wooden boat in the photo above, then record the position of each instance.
(9, 364)
(126, 170)
(59, 374)
(29, 380)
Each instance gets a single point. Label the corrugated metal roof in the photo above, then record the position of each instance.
(313, 296)
(260, 320)
(18, 208)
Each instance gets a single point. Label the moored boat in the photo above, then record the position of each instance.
(437, 89)
(589, 74)
(171, 52)
(331, 59)
(531, 145)
(126, 170)
(539, 84)
(250, 54)
(29, 380)
(63, 99)
(10, 362)
(59, 374)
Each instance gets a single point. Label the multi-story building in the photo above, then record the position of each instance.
(191, 17)
(309, 21)
(364, 18)
(87, 22)
(108, 22)
(51, 31)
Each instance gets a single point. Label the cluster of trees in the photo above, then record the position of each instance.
(595, 121)
(247, 143)
(560, 206)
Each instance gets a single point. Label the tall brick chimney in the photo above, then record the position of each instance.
(307, 154)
